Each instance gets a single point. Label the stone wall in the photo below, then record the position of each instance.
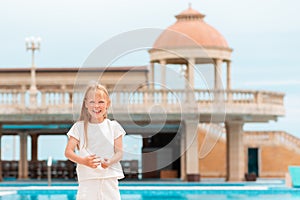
(274, 159)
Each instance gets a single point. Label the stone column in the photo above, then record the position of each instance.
(23, 163)
(191, 150)
(149, 96)
(228, 81)
(189, 82)
(163, 81)
(34, 147)
(163, 72)
(1, 178)
(218, 92)
(218, 73)
(151, 76)
(190, 74)
(235, 151)
(183, 155)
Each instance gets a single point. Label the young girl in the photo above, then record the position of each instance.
(100, 146)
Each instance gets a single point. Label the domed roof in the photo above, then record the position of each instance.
(190, 25)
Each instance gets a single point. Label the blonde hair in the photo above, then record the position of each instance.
(84, 114)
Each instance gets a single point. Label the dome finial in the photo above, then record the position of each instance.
(190, 5)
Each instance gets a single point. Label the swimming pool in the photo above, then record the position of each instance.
(160, 192)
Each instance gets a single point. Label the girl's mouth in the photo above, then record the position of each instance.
(97, 111)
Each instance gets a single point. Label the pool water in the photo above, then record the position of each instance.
(160, 192)
(35, 196)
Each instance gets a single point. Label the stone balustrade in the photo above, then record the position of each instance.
(142, 101)
(255, 138)
(271, 138)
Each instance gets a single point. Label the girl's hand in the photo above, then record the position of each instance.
(91, 161)
(105, 163)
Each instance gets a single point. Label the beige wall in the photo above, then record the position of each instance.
(214, 163)
(274, 159)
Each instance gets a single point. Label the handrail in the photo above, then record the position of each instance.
(59, 97)
(257, 138)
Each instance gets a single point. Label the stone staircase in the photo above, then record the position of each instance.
(217, 132)
(272, 138)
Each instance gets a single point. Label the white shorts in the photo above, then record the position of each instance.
(98, 189)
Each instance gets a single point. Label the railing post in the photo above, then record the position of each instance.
(63, 98)
(70, 93)
(22, 99)
(164, 97)
(258, 97)
(229, 96)
(43, 96)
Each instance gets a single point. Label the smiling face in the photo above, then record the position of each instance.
(97, 103)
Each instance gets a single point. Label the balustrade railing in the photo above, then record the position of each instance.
(11, 97)
(254, 138)
(51, 98)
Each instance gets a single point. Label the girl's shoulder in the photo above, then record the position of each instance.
(78, 124)
(116, 126)
(113, 122)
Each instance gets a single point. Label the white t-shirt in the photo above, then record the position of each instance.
(101, 138)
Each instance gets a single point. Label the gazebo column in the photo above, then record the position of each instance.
(218, 74)
(163, 81)
(23, 163)
(163, 72)
(190, 74)
(1, 178)
(235, 151)
(191, 150)
(34, 147)
(189, 82)
(218, 92)
(151, 76)
(228, 81)
(149, 97)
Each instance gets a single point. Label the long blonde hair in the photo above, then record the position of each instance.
(84, 114)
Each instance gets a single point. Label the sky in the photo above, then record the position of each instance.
(263, 34)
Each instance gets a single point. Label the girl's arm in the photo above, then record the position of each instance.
(71, 155)
(118, 148)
